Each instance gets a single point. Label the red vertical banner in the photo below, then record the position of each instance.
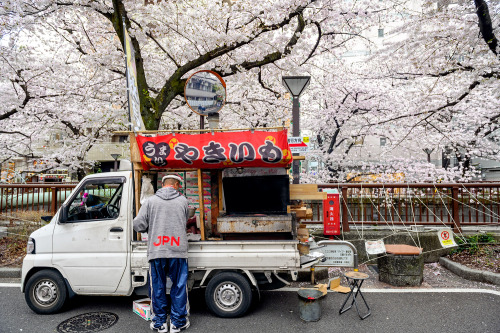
(331, 215)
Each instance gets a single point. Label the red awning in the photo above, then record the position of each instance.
(215, 150)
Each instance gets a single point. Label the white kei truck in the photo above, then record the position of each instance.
(88, 248)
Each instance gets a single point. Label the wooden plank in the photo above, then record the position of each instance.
(279, 128)
(214, 196)
(221, 192)
(138, 166)
(202, 208)
(306, 192)
(135, 154)
(137, 194)
(303, 188)
(312, 196)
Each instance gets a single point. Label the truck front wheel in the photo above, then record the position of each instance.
(45, 292)
(228, 295)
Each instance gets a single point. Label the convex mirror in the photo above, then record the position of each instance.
(205, 92)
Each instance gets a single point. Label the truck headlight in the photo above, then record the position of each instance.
(30, 248)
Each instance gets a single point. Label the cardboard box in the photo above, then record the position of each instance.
(194, 184)
(195, 191)
(194, 174)
(142, 307)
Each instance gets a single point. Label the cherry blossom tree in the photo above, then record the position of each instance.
(448, 66)
(64, 61)
(434, 86)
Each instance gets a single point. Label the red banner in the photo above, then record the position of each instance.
(217, 150)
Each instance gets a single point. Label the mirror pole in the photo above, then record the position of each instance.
(202, 123)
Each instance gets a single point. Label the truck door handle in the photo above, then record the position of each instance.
(116, 229)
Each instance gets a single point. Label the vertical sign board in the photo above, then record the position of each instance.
(331, 215)
(134, 103)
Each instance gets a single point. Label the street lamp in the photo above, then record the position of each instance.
(296, 86)
(428, 152)
(115, 157)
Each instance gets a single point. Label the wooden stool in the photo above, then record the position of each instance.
(355, 281)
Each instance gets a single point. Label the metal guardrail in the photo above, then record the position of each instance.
(452, 204)
(47, 197)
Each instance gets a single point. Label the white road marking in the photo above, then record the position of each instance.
(10, 285)
(411, 290)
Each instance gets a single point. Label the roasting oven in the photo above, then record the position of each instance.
(256, 206)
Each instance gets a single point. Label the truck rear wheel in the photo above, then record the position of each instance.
(45, 292)
(228, 295)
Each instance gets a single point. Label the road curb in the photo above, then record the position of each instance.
(8, 272)
(469, 273)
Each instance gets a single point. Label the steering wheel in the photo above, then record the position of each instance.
(113, 211)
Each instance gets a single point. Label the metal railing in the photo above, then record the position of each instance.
(20, 197)
(453, 205)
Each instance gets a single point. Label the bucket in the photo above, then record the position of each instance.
(309, 304)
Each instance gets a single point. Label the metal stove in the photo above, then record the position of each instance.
(256, 208)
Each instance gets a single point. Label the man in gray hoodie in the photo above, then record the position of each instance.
(164, 216)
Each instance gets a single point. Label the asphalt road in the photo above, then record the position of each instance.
(277, 311)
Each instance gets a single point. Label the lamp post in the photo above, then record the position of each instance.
(296, 86)
(115, 157)
(428, 152)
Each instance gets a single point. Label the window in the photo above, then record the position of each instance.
(383, 141)
(97, 199)
(381, 32)
(119, 138)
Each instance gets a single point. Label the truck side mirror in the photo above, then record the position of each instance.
(63, 214)
(46, 218)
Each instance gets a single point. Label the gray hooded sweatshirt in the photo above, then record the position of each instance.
(164, 216)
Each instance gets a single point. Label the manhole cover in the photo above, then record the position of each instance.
(88, 322)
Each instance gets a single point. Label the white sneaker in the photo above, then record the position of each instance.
(174, 329)
(162, 329)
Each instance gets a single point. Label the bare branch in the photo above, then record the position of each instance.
(485, 25)
(150, 35)
(318, 26)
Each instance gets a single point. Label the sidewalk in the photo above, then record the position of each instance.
(435, 276)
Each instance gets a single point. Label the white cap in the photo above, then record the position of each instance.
(171, 177)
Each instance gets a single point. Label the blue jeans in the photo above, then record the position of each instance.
(177, 270)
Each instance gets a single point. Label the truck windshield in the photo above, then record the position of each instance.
(96, 201)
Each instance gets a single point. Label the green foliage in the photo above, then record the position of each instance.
(471, 244)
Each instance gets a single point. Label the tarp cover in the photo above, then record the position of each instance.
(215, 150)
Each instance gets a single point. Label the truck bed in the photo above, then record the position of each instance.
(248, 255)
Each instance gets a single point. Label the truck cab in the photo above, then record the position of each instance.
(87, 245)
